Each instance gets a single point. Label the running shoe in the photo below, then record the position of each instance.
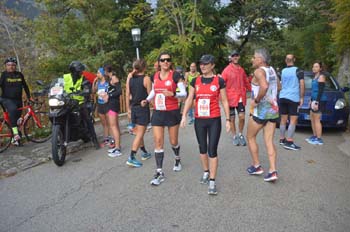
(282, 141)
(291, 146)
(271, 176)
(310, 138)
(145, 155)
(177, 166)
(16, 140)
(235, 140)
(158, 178)
(115, 153)
(212, 189)
(316, 141)
(242, 141)
(205, 178)
(133, 162)
(255, 170)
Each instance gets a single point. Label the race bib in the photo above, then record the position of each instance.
(203, 107)
(160, 101)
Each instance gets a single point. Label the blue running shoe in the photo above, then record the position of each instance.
(316, 141)
(255, 170)
(132, 162)
(310, 138)
(271, 176)
(145, 156)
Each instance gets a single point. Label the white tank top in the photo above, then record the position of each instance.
(268, 106)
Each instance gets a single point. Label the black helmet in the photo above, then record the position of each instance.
(76, 67)
(10, 60)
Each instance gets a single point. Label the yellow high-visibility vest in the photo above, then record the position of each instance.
(68, 84)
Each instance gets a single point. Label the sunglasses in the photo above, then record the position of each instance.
(166, 59)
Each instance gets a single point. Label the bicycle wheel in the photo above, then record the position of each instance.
(35, 133)
(6, 135)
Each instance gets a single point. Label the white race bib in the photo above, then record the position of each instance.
(203, 107)
(160, 101)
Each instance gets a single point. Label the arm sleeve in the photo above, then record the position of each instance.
(150, 95)
(25, 86)
(300, 74)
(321, 86)
(182, 89)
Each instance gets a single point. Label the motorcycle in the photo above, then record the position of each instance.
(67, 119)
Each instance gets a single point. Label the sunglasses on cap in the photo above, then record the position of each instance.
(165, 59)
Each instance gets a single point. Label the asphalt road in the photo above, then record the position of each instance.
(93, 192)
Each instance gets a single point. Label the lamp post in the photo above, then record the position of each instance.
(136, 37)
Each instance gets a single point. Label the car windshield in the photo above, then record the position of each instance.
(330, 83)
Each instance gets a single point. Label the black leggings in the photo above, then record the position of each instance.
(208, 128)
(11, 107)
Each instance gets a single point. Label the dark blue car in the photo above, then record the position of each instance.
(337, 108)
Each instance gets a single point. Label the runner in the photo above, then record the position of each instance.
(291, 98)
(166, 113)
(317, 104)
(138, 86)
(207, 90)
(188, 79)
(113, 98)
(263, 114)
(100, 87)
(237, 85)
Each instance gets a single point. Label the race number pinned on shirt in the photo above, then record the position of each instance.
(203, 107)
(160, 101)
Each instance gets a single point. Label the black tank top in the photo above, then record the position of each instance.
(137, 90)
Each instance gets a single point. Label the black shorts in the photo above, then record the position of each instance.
(321, 107)
(240, 109)
(166, 118)
(288, 107)
(102, 108)
(208, 133)
(140, 115)
(264, 121)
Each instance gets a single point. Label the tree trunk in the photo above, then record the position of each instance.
(343, 76)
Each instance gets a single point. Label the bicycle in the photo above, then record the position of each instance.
(35, 124)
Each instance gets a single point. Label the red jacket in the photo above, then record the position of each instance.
(237, 84)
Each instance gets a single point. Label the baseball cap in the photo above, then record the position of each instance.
(235, 53)
(207, 59)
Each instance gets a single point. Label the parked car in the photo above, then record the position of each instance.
(337, 108)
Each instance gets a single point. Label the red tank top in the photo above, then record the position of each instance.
(162, 102)
(207, 98)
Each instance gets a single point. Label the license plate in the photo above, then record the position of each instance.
(56, 90)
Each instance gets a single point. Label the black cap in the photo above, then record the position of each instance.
(235, 53)
(207, 59)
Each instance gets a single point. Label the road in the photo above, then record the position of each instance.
(93, 192)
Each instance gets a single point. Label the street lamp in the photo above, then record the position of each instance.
(136, 37)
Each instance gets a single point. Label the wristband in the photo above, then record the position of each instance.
(228, 120)
(257, 102)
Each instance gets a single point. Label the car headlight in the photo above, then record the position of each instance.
(55, 102)
(340, 104)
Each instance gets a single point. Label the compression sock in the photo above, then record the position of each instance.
(159, 155)
(282, 131)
